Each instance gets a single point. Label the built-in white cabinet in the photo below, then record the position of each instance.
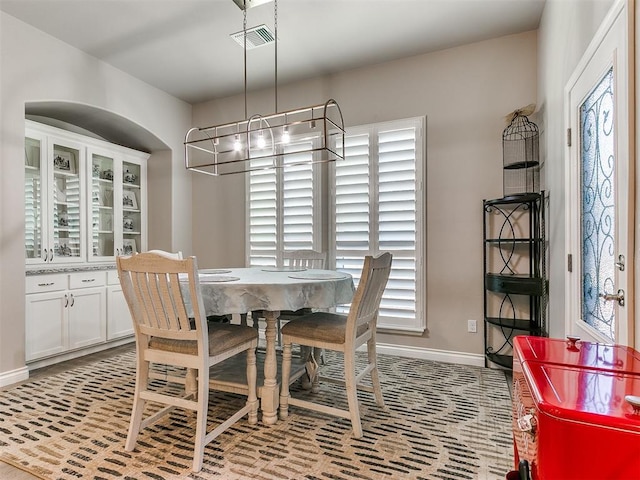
(85, 199)
(64, 312)
(119, 323)
(85, 203)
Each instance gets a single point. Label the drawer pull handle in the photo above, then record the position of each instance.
(73, 300)
(87, 280)
(48, 284)
(66, 300)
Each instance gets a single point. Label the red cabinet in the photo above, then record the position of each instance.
(571, 417)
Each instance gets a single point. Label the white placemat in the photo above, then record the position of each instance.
(214, 271)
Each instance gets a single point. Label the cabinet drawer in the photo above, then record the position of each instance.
(87, 279)
(113, 278)
(46, 283)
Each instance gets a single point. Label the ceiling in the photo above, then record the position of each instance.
(184, 47)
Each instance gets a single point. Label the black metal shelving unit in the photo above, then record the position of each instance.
(515, 273)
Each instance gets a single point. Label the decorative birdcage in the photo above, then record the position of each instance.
(520, 150)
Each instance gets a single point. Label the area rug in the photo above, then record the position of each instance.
(441, 421)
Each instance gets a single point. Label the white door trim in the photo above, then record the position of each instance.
(623, 62)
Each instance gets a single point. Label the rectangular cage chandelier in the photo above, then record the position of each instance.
(261, 142)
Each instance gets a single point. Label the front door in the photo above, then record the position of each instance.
(600, 187)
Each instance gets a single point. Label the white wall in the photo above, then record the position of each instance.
(566, 30)
(36, 67)
(465, 92)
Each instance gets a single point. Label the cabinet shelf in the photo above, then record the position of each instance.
(102, 180)
(514, 284)
(523, 241)
(505, 361)
(524, 325)
(511, 199)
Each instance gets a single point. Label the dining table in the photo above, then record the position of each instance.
(272, 290)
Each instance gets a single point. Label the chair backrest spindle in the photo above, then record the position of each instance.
(304, 259)
(158, 303)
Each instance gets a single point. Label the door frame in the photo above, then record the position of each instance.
(624, 71)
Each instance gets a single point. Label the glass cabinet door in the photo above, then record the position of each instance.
(102, 224)
(66, 196)
(131, 209)
(33, 206)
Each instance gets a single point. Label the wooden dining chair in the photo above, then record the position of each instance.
(303, 259)
(343, 333)
(174, 255)
(159, 306)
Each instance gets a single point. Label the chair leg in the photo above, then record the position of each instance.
(191, 382)
(375, 375)
(352, 393)
(142, 381)
(201, 418)
(279, 335)
(286, 372)
(252, 376)
(312, 368)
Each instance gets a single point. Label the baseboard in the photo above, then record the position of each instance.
(45, 362)
(447, 356)
(14, 376)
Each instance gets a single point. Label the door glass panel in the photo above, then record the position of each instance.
(102, 224)
(66, 202)
(33, 198)
(598, 222)
(131, 218)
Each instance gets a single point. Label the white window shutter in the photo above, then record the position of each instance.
(263, 215)
(378, 206)
(298, 198)
(282, 206)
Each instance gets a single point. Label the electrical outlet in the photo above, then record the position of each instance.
(472, 326)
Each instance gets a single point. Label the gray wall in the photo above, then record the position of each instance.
(36, 67)
(465, 92)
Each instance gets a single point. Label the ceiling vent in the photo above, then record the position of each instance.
(256, 37)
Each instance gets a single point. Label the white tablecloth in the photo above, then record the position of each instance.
(257, 289)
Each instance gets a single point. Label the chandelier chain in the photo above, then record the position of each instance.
(275, 22)
(244, 31)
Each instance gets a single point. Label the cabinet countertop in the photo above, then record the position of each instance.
(69, 269)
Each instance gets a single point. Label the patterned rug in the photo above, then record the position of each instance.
(441, 421)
